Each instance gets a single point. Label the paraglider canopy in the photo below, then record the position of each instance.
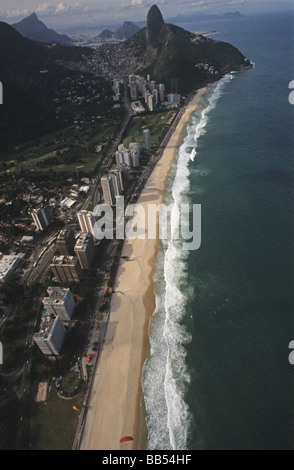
(126, 439)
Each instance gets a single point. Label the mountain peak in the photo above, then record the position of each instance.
(33, 28)
(154, 24)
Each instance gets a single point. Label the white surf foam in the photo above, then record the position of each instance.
(165, 376)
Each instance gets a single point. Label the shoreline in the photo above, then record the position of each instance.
(115, 404)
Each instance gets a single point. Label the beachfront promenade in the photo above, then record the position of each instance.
(114, 407)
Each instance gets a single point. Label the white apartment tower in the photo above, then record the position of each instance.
(59, 303)
(147, 139)
(41, 217)
(135, 149)
(50, 336)
(87, 221)
(108, 190)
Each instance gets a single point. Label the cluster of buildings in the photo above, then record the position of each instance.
(114, 183)
(127, 159)
(76, 251)
(76, 256)
(58, 310)
(128, 156)
(42, 216)
(152, 93)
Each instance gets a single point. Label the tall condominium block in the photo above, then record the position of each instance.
(142, 83)
(147, 139)
(42, 217)
(124, 175)
(155, 94)
(108, 190)
(117, 188)
(150, 101)
(134, 90)
(66, 242)
(50, 336)
(127, 158)
(161, 89)
(123, 155)
(135, 149)
(59, 303)
(152, 85)
(66, 269)
(85, 250)
(114, 183)
(87, 221)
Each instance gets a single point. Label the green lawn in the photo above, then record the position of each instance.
(158, 123)
(54, 423)
(64, 150)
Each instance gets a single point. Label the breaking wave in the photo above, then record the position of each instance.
(165, 374)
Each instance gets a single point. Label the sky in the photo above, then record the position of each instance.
(57, 13)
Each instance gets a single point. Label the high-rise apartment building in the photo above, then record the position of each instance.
(155, 94)
(113, 185)
(134, 90)
(130, 156)
(108, 190)
(87, 222)
(124, 175)
(85, 250)
(117, 188)
(161, 89)
(150, 101)
(135, 149)
(123, 155)
(42, 217)
(66, 269)
(66, 242)
(147, 139)
(59, 303)
(50, 336)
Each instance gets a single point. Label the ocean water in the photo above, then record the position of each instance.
(218, 374)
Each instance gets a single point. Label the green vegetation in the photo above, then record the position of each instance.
(45, 89)
(65, 151)
(9, 416)
(71, 383)
(54, 422)
(157, 122)
(14, 330)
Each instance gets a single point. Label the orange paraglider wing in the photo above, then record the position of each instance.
(75, 408)
(126, 439)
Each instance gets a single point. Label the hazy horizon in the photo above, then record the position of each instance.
(87, 13)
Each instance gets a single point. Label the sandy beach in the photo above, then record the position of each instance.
(115, 402)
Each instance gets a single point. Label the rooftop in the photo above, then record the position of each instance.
(46, 326)
(64, 260)
(83, 240)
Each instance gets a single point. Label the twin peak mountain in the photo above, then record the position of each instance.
(166, 51)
